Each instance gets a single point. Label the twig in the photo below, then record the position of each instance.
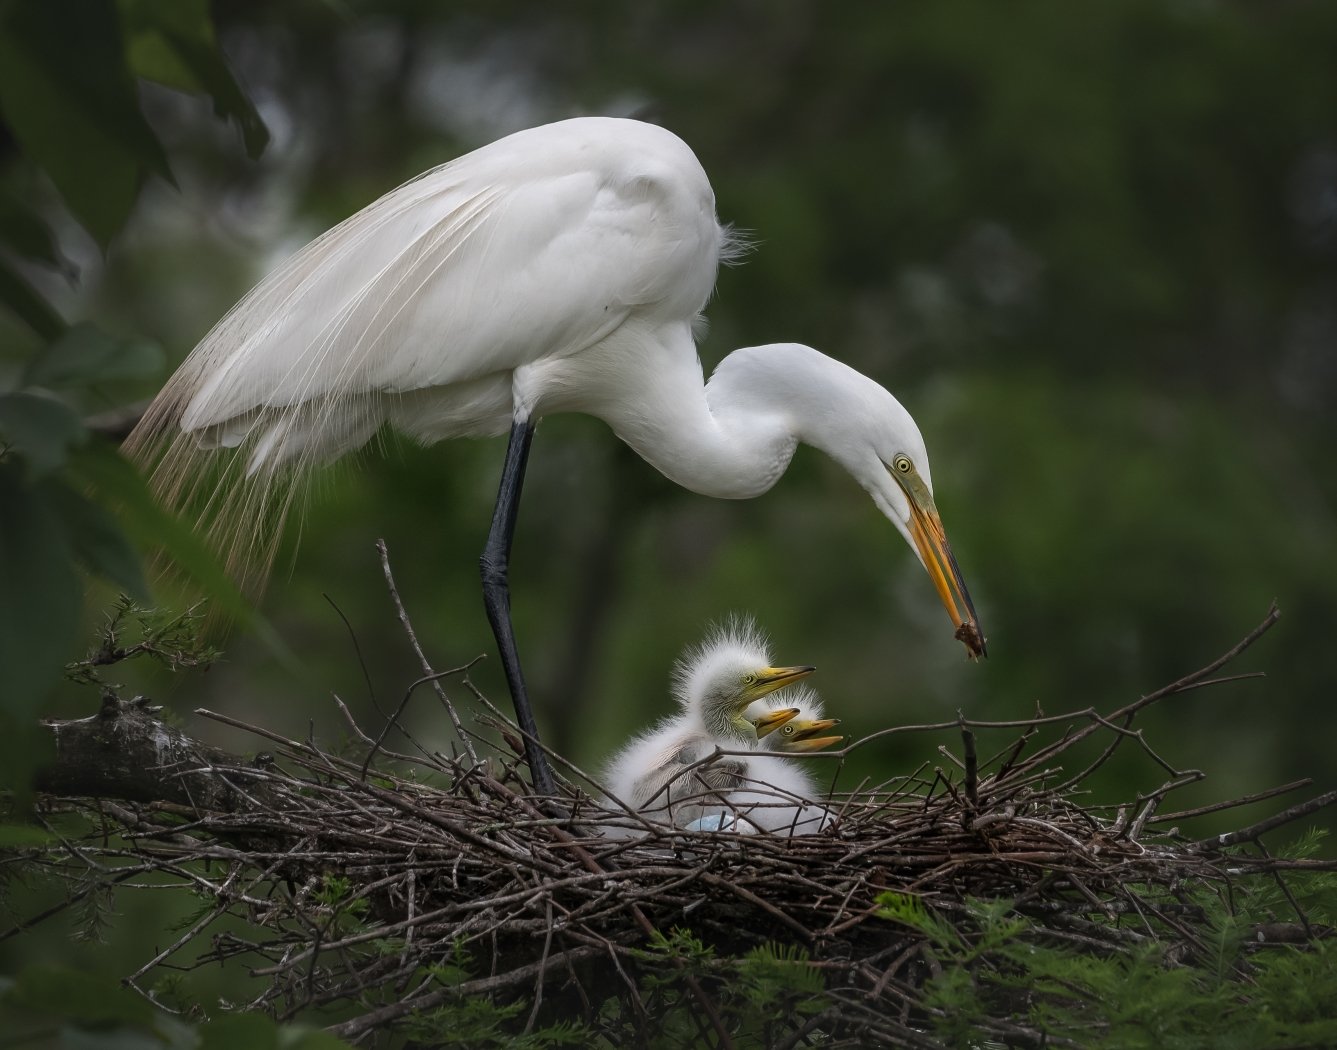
(1215, 807)
(422, 657)
(971, 767)
(1252, 832)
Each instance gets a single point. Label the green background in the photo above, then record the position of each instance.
(1091, 247)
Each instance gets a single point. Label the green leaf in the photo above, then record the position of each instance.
(110, 1039)
(240, 1032)
(249, 1031)
(40, 595)
(146, 24)
(117, 483)
(71, 103)
(26, 233)
(173, 43)
(76, 996)
(86, 355)
(42, 428)
(96, 538)
(300, 1037)
(27, 304)
(17, 836)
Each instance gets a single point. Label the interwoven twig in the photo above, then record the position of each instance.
(442, 855)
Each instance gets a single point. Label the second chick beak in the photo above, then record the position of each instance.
(773, 720)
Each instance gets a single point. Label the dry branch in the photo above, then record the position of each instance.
(439, 856)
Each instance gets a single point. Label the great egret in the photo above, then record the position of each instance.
(559, 269)
(714, 684)
(800, 731)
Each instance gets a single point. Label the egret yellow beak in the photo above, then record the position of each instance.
(812, 743)
(810, 727)
(931, 540)
(773, 720)
(769, 679)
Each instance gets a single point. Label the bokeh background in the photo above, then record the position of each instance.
(1092, 248)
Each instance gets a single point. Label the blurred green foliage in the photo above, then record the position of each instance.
(1093, 249)
(989, 965)
(50, 1006)
(71, 110)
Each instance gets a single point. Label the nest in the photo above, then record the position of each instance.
(391, 887)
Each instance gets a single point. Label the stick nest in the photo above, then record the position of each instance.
(392, 887)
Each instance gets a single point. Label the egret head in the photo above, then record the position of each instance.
(916, 516)
(731, 670)
(800, 393)
(804, 734)
(880, 444)
(794, 728)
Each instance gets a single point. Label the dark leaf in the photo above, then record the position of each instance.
(293, 1037)
(26, 233)
(28, 305)
(77, 996)
(17, 836)
(174, 44)
(230, 102)
(118, 484)
(95, 538)
(240, 1032)
(41, 428)
(40, 595)
(73, 106)
(86, 355)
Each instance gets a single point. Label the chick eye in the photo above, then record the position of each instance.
(749, 679)
(902, 464)
(787, 730)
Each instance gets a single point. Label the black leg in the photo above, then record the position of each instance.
(495, 564)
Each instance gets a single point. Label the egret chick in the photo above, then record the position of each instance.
(657, 773)
(766, 792)
(774, 795)
(798, 732)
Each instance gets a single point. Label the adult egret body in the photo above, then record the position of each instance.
(657, 773)
(559, 269)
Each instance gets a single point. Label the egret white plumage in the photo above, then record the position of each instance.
(657, 774)
(800, 731)
(559, 269)
(771, 794)
(723, 688)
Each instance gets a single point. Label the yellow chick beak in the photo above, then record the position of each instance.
(773, 720)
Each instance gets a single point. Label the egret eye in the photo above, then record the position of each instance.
(749, 679)
(902, 464)
(787, 730)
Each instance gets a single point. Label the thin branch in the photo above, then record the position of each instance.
(427, 670)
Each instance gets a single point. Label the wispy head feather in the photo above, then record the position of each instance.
(737, 645)
(737, 245)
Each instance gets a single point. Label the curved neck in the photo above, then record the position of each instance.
(647, 384)
(731, 437)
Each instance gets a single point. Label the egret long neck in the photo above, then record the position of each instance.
(647, 384)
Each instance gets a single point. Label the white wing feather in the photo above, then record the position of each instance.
(419, 309)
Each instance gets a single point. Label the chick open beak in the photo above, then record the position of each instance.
(931, 540)
(773, 720)
(813, 743)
